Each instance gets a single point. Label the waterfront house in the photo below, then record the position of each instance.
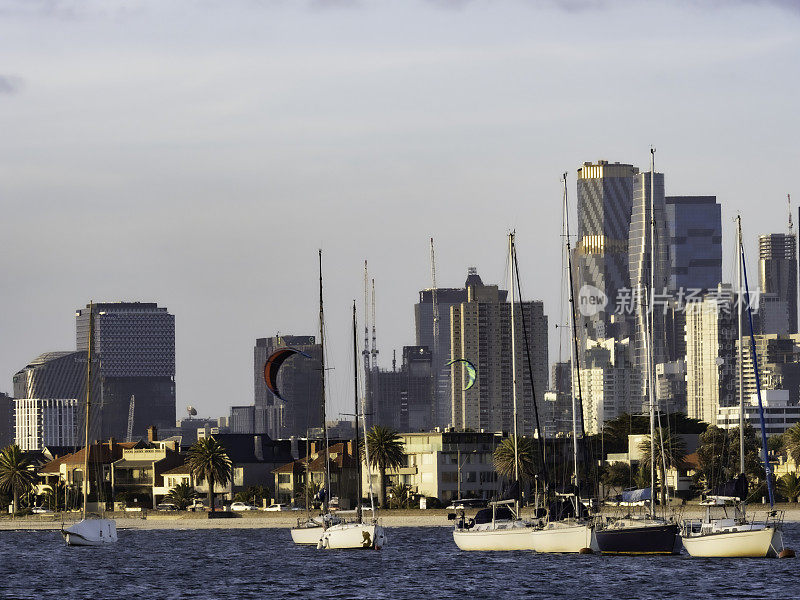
(290, 478)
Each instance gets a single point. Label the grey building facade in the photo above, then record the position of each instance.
(402, 399)
(135, 345)
(694, 230)
(777, 269)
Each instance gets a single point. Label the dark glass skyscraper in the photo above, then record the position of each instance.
(135, 345)
(694, 227)
(777, 268)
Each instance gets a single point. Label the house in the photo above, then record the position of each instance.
(290, 478)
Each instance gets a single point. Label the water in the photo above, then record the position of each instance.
(418, 563)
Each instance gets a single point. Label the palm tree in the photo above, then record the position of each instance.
(504, 458)
(16, 473)
(670, 450)
(789, 486)
(209, 462)
(791, 442)
(386, 451)
(182, 495)
(401, 495)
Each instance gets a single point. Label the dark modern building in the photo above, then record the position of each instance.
(135, 345)
(300, 383)
(6, 420)
(694, 243)
(402, 399)
(605, 201)
(777, 269)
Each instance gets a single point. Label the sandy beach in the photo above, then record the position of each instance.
(259, 520)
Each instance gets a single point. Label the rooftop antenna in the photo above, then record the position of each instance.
(789, 209)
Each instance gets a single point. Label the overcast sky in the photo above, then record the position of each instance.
(198, 153)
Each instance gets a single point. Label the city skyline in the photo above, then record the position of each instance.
(465, 139)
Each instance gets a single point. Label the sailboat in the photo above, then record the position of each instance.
(90, 530)
(361, 533)
(498, 527)
(651, 534)
(732, 534)
(567, 527)
(310, 529)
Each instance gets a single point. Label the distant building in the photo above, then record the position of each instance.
(402, 399)
(778, 365)
(694, 242)
(555, 411)
(423, 320)
(46, 422)
(605, 201)
(710, 355)
(242, 419)
(481, 333)
(135, 345)
(606, 382)
(779, 413)
(671, 386)
(777, 269)
(300, 383)
(7, 432)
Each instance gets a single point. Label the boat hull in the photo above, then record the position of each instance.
(753, 543)
(564, 538)
(365, 536)
(644, 539)
(517, 538)
(91, 532)
(307, 535)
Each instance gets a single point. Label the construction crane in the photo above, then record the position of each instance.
(131, 408)
(434, 304)
(365, 353)
(374, 342)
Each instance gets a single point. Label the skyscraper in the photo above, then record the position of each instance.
(605, 200)
(710, 354)
(299, 382)
(694, 230)
(649, 264)
(50, 422)
(402, 398)
(777, 269)
(135, 345)
(481, 333)
(606, 379)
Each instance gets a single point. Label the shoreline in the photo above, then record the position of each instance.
(285, 520)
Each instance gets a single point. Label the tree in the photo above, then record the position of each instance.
(618, 475)
(16, 473)
(791, 442)
(209, 462)
(385, 452)
(308, 493)
(400, 495)
(789, 486)
(503, 459)
(254, 494)
(182, 495)
(669, 451)
(718, 455)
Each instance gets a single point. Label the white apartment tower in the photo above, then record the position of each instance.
(46, 422)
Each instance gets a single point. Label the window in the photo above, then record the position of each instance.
(284, 478)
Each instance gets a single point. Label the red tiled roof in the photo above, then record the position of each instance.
(98, 453)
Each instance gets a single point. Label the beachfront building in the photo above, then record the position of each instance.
(779, 413)
(290, 478)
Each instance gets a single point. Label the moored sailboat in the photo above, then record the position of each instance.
(91, 530)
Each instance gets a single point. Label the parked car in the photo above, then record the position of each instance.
(196, 505)
(41, 510)
(276, 507)
(241, 506)
(166, 507)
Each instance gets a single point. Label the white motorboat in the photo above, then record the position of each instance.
(91, 532)
(496, 528)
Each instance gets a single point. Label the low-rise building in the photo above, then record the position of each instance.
(290, 478)
(779, 413)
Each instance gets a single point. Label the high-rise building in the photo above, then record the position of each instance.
(694, 242)
(402, 398)
(605, 200)
(135, 345)
(556, 410)
(299, 382)
(777, 270)
(710, 354)
(47, 422)
(423, 320)
(649, 265)
(53, 375)
(6, 420)
(606, 381)
(778, 365)
(480, 331)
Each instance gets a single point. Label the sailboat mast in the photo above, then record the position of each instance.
(649, 317)
(739, 316)
(355, 395)
(326, 476)
(513, 356)
(86, 416)
(573, 347)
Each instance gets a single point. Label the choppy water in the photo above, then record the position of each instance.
(417, 563)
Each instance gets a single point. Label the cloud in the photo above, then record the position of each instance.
(10, 84)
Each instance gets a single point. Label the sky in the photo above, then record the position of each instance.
(197, 154)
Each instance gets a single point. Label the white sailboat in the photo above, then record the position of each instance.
(573, 533)
(361, 533)
(309, 530)
(91, 530)
(732, 534)
(499, 527)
